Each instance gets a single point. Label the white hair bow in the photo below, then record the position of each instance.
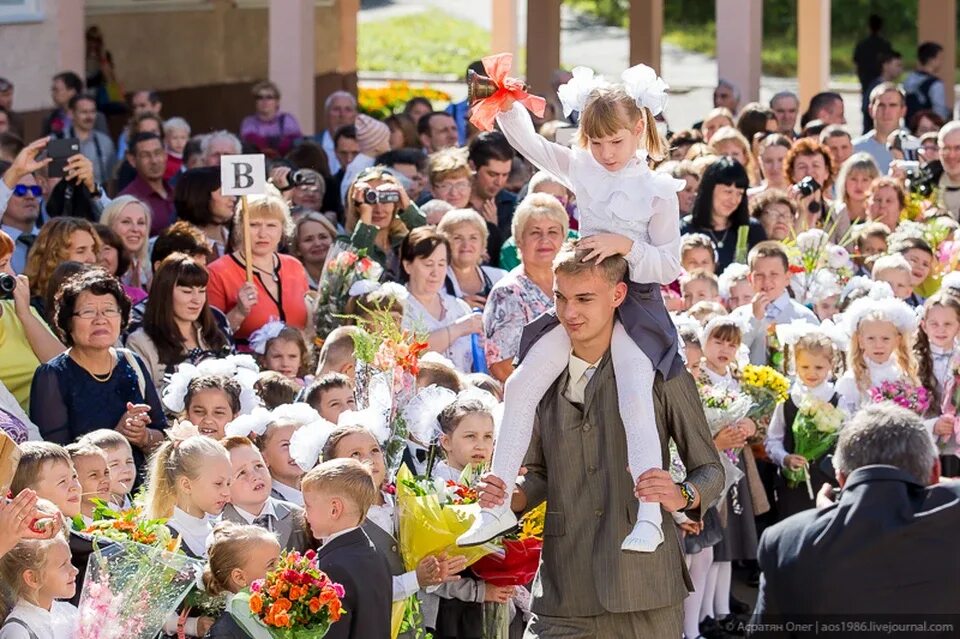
(258, 340)
(573, 95)
(646, 87)
(306, 443)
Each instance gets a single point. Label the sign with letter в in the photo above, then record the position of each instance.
(243, 174)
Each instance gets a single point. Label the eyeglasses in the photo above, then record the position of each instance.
(447, 187)
(21, 190)
(266, 96)
(110, 312)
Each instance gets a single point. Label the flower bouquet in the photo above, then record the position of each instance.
(388, 356)
(915, 398)
(516, 565)
(130, 589)
(815, 431)
(949, 406)
(724, 408)
(432, 514)
(344, 267)
(126, 525)
(766, 388)
(296, 600)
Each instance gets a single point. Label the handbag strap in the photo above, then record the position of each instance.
(132, 361)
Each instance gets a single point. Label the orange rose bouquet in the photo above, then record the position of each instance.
(295, 601)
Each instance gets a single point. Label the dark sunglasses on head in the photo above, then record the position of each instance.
(20, 190)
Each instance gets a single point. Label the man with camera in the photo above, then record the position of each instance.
(888, 106)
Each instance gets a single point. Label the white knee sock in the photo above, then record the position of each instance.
(525, 388)
(699, 566)
(721, 597)
(706, 608)
(635, 376)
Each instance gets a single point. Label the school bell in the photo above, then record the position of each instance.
(480, 87)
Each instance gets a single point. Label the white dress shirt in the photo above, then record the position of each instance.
(581, 372)
(778, 423)
(59, 622)
(384, 517)
(289, 493)
(194, 531)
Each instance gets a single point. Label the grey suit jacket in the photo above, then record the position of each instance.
(577, 461)
(291, 527)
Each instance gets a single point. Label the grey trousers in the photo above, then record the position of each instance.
(659, 623)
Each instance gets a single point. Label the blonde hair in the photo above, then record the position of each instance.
(397, 229)
(344, 478)
(115, 209)
(457, 217)
(52, 247)
(817, 344)
(904, 353)
(33, 457)
(571, 260)
(731, 134)
(894, 262)
(448, 164)
(609, 109)
(228, 551)
(28, 554)
(699, 275)
(269, 205)
(106, 439)
(175, 459)
(857, 163)
(538, 205)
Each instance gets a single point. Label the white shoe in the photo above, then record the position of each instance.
(646, 536)
(490, 523)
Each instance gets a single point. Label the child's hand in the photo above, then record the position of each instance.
(794, 462)
(943, 427)
(729, 437)
(747, 426)
(760, 303)
(429, 572)
(451, 567)
(603, 245)
(203, 625)
(497, 594)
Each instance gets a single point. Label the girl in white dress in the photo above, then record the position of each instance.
(626, 209)
(37, 573)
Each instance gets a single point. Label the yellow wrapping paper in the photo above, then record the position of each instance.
(427, 528)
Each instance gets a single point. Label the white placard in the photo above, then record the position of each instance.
(243, 174)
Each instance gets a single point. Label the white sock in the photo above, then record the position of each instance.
(721, 597)
(525, 388)
(699, 566)
(706, 608)
(635, 377)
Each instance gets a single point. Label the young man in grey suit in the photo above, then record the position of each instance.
(577, 461)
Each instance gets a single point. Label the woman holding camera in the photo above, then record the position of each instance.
(809, 168)
(25, 340)
(379, 215)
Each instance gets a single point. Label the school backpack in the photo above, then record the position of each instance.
(919, 98)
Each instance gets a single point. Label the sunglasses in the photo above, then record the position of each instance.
(21, 190)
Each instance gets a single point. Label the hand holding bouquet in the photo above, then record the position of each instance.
(344, 268)
(766, 388)
(815, 431)
(724, 408)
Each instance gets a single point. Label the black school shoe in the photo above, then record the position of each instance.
(731, 625)
(738, 607)
(710, 629)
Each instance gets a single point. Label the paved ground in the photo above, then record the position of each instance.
(584, 41)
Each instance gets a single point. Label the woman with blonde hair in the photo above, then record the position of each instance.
(467, 277)
(62, 239)
(729, 141)
(130, 218)
(312, 239)
(379, 214)
(853, 186)
(279, 281)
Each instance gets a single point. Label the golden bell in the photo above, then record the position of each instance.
(479, 87)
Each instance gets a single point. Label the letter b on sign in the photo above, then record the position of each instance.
(242, 174)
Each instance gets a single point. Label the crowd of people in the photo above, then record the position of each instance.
(137, 353)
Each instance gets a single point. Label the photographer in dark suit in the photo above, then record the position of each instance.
(888, 544)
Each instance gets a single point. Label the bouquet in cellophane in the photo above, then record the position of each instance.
(766, 388)
(722, 408)
(515, 565)
(130, 589)
(949, 406)
(915, 398)
(296, 600)
(388, 359)
(432, 514)
(345, 266)
(126, 525)
(815, 431)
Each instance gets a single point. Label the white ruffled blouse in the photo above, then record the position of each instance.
(851, 397)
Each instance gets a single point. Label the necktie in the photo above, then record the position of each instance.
(264, 521)
(27, 239)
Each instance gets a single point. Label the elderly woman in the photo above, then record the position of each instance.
(540, 225)
(467, 277)
(312, 239)
(885, 201)
(94, 385)
(379, 214)
(129, 218)
(198, 200)
(448, 321)
(178, 324)
(776, 212)
(720, 211)
(279, 281)
(808, 158)
(542, 182)
(270, 130)
(62, 239)
(25, 340)
(853, 185)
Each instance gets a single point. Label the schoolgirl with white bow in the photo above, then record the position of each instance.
(815, 356)
(936, 353)
(881, 336)
(281, 348)
(625, 209)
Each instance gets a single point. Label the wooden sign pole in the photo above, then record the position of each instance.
(247, 242)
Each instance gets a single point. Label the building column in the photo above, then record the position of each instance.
(291, 62)
(937, 22)
(72, 52)
(543, 43)
(503, 35)
(813, 42)
(739, 42)
(646, 32)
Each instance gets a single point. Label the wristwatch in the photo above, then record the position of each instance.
(688, 493)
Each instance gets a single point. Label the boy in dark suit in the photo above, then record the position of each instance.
(337, 495)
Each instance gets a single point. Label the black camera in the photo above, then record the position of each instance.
(922, 180)
(7, 284)
(372, 196)
(808, 186)
(303, 177)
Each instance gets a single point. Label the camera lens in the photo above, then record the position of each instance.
(814, 207)
(370, 196)
(7, 284)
